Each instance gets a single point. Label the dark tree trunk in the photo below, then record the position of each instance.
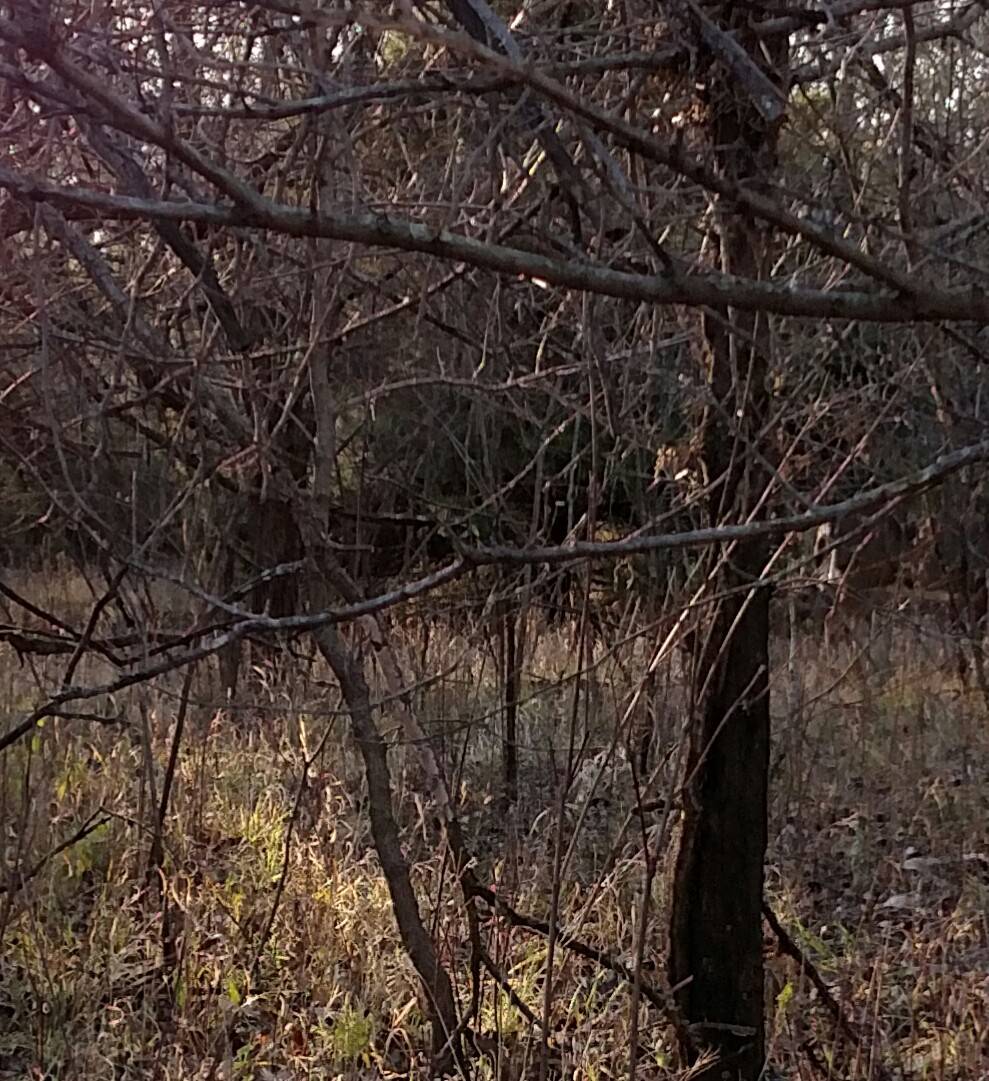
(512, 633)
(274, 539)
(272, 536)
(716, 924)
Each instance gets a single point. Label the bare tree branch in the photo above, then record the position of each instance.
(379, 230)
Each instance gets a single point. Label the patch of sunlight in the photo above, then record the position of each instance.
(263, 829)
(350, 1035)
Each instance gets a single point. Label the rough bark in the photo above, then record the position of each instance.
(716, 924)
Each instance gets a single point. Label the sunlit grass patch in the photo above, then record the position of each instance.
(268, 942)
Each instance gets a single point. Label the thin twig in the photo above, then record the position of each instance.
(97, 819)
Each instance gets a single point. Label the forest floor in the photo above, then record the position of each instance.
(266, 948)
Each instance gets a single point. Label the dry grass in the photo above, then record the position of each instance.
(879, 868)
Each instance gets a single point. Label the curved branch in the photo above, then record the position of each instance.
(472, 558)
(925, 304)
(127, 117)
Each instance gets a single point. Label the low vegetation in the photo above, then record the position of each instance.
(266, 947)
